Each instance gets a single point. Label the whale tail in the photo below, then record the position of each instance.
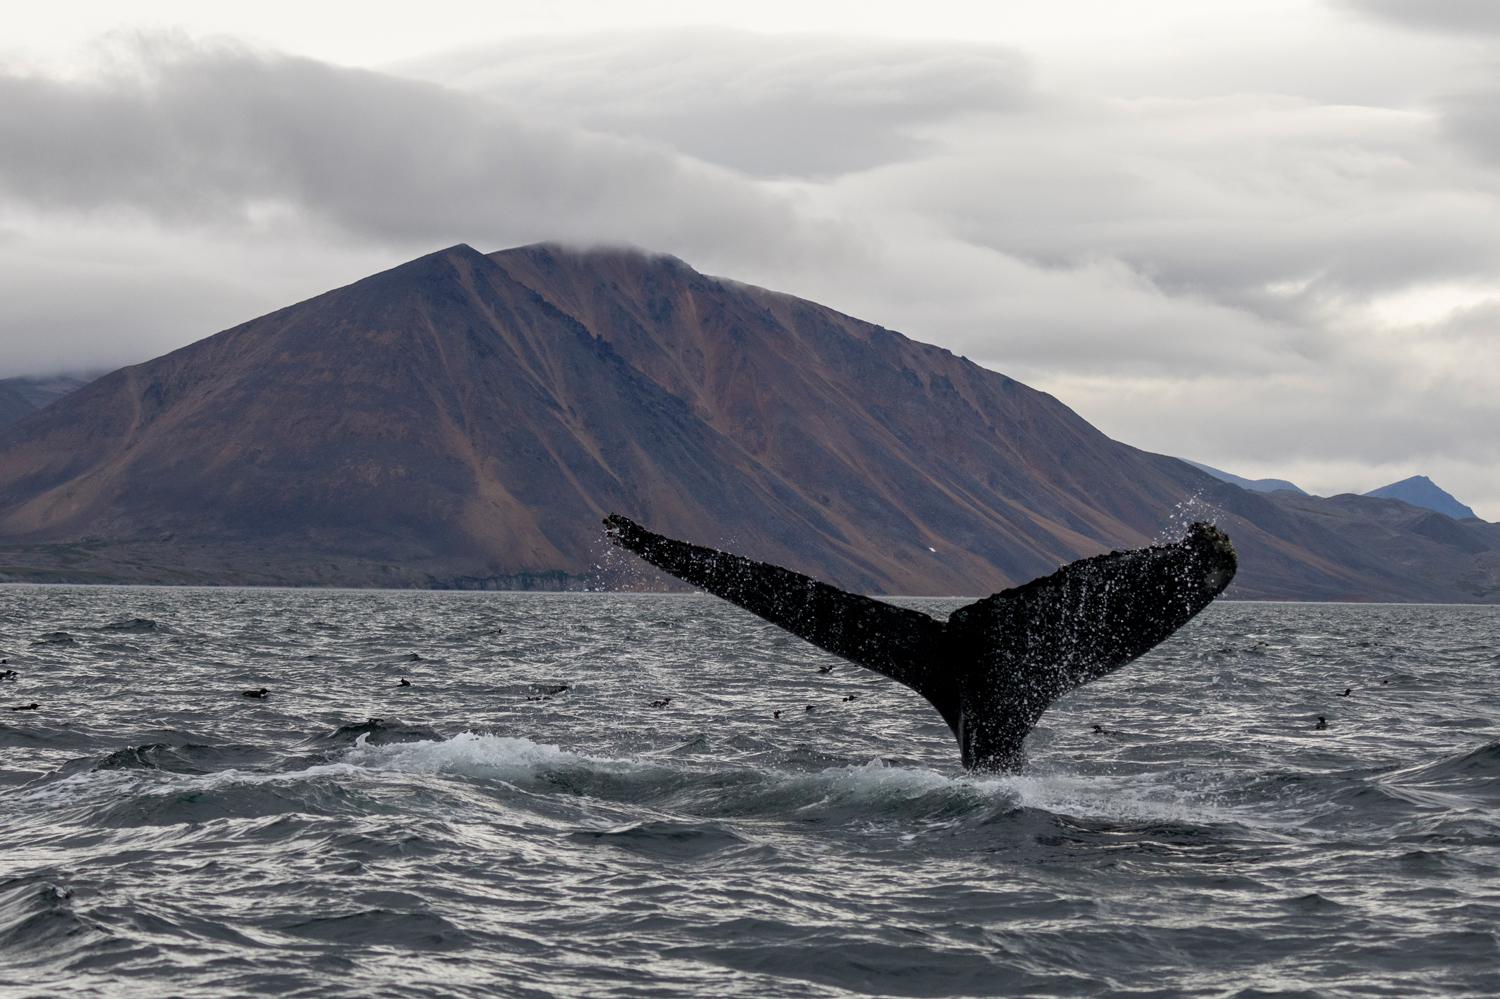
(995, 665)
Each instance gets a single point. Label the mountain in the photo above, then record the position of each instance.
(13, 405)
(1254, 485)
(20, 397)
(466, 419)
(1421, 491)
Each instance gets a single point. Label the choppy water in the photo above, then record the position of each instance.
(164, 835)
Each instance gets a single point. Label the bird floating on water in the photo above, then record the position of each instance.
(404, 682)
(663, 702)
(262, 692)
(1322, 724)
(25, 707)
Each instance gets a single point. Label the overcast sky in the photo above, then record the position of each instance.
(1264, 235)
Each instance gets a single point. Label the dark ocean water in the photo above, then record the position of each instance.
(164, 835)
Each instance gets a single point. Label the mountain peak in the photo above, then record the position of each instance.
(1420, 491)
(456, 252)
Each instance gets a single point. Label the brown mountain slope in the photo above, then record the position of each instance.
(466, 419)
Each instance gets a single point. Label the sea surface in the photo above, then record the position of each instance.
(474, 834)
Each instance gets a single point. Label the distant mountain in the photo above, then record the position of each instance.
(1255, 485)
(13, 405)
(1458, 557)
(466, 420)
(20, 397)
(1421, 491)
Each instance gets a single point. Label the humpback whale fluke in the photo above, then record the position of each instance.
(997, 664)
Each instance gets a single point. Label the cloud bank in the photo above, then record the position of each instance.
(1274, 282)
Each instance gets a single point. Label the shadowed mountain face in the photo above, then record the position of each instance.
(20, 397)
(1421, 491)
(13, 405)
(466, 420)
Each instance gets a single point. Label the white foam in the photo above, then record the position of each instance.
(474, 753)
(875, 780)
(1113, 799)
(66, 790)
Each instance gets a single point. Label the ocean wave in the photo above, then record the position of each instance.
(135, 626)
(872, 790)
(423, 931)
(1473, 775)
(1482, 763)
(375, 732)
(40, 926)
(40, 733)
(665, 839)
(189, 758)
(468, 753)
(183, 780)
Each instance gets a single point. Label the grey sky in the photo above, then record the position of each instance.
(1266, 237)
(1460, 16)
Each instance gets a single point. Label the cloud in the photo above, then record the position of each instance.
(1471, 121)
(766, 105)
(1460, 16)
(186, 187)
(1275, 283)
(101, 291)
(1272, 205)
(216, 136)
(1396, 401)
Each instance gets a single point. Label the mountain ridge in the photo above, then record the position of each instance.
(1254, 485)
(466, 418)
(23, 395)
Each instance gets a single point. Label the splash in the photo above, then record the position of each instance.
(474, 753)
(1187, 512)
